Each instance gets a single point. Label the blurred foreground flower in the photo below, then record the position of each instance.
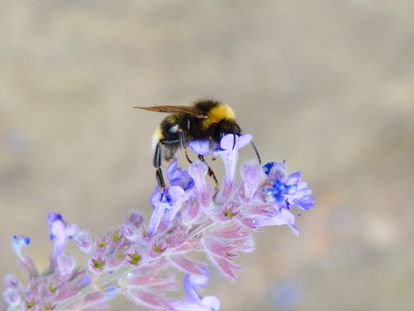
(135, 260)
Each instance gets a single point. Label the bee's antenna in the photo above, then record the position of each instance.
(257, 152)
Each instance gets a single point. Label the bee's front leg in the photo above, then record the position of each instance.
(210, 171)
(157, 164)
(159, 155)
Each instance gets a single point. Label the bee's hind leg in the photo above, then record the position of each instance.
(210, 171)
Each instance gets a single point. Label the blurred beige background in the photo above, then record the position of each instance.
(326, 85)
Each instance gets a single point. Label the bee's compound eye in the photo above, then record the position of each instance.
(173, 129)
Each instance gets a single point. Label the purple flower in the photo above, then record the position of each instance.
(83, 241)
(170, 202)
(60, 232)
(134, 257)
(66, 264)
(299, 195)
(277, 218)
(201, 147)
(137, 260)
(179, 177)
(131, 228)
(198, 171)
(193, 301)
(18, 242)
(288, 191)
(166, 206)
(97, 264)
(135, 218)
(230, 152)
(11, 281)
(12, 297)
(252, 176)
(130, 231)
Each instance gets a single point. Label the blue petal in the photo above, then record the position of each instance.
(268, 167)
(26, 240)
(52, 217)
(18, 242)
(189, 289)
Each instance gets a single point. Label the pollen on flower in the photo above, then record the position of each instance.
(51, 288)
(98, 263)
(229, 213)
(30, 304)
(116, 236)
(144, 232)
(158, 248)
(134, 258)
(102, 244)
(120, 255)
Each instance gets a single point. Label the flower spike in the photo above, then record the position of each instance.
(137, 259)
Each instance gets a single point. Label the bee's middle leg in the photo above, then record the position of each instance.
(183, 145)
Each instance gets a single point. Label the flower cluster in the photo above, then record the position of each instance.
(141, 261)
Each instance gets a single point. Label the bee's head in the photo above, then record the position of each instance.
(224, 127)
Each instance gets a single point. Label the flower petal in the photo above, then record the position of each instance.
(66, 264)
(18, 242)
(212, 302)
(11, 281)
(148, 299)
(228, 268)
(252, 176)
(179, 177)
(83, 241)
(12, 297)
(193, 300)
(201, 147)
(198, 171)
(188, 265)
(177, 196)
(60, 232)
(157, 215)
(230, 153)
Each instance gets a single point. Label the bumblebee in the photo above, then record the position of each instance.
(205, 120)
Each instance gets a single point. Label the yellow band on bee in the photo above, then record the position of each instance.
(156, 137)
(217, 114)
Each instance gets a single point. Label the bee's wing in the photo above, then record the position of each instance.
(176, 109)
